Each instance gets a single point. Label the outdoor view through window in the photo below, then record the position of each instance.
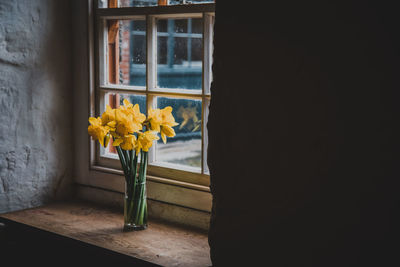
(177, 54)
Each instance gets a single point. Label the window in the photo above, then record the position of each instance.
(158, 56)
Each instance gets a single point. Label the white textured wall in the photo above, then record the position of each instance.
(35, 102)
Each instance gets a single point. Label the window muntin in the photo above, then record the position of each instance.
(144, 85)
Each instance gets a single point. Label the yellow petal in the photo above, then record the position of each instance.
(108, 115)
(127, 103)
(117, 142)
(94, 121)
(101, 141)
(107, 140)
(168, 131)
(154, 125)
(136, 108)
(129, 142)
(168, 109)
(91, 131)
(164, 138)
(137, 148)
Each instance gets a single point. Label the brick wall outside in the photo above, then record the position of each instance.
(124, 48)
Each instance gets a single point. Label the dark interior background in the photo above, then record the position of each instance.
(303, 136)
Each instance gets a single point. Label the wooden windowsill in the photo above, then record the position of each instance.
(160, 243)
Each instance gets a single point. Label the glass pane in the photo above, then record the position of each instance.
(127, 59)
(185, 148)
(141, 3)
(206, 112)
(179, 53)
(210, 56)
(115, 100)
(129, 3)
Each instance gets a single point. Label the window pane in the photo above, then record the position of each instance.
(206, 112)
(179, 53)
(129, 3)
(185, 148)
(127, 52)
(115, 100)
(210, 54)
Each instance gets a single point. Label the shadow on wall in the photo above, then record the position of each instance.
(303, 134)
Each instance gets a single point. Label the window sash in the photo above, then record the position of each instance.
(151, 14)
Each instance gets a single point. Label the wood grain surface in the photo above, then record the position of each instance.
(160, 243)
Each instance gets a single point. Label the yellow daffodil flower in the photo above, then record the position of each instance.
(121, 123)
(161, 120)
(129, 142)
(108, 115)
(112, 125)
(117, 141)
(155, 119)
(125, 124)
(97, 130)
(145, 141)
(133, 111)
(167, 118)
(166, 131)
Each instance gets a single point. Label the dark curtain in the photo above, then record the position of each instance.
(303, 134)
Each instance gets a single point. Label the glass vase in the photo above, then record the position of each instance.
(135, 208)
(135, 200)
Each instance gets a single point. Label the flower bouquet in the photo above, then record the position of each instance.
(133, 134)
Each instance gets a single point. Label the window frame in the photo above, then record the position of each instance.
(156, 172)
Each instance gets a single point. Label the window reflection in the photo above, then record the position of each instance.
(185, 148)
(179, 53)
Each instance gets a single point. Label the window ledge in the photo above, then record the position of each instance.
(161, 243)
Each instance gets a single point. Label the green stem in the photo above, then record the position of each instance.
(138, 195)
(136, 209)
(133, 185)
(122, 160)
(127, 160)
(142, 195)
(132, 156)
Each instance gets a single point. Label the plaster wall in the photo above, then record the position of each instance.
(35, 102)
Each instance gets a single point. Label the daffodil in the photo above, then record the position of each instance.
(97, 130)
(121, 124)
(133, 112)
(166, 131)
(167, 118)
(155, 119)
(111, 125)
(125, 124)
(161, 120)
(108, 115)
(128, 142)
(145, 141)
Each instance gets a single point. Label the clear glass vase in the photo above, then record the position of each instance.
(135, 207)
(135, 200)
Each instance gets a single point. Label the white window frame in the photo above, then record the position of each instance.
(167, 185)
